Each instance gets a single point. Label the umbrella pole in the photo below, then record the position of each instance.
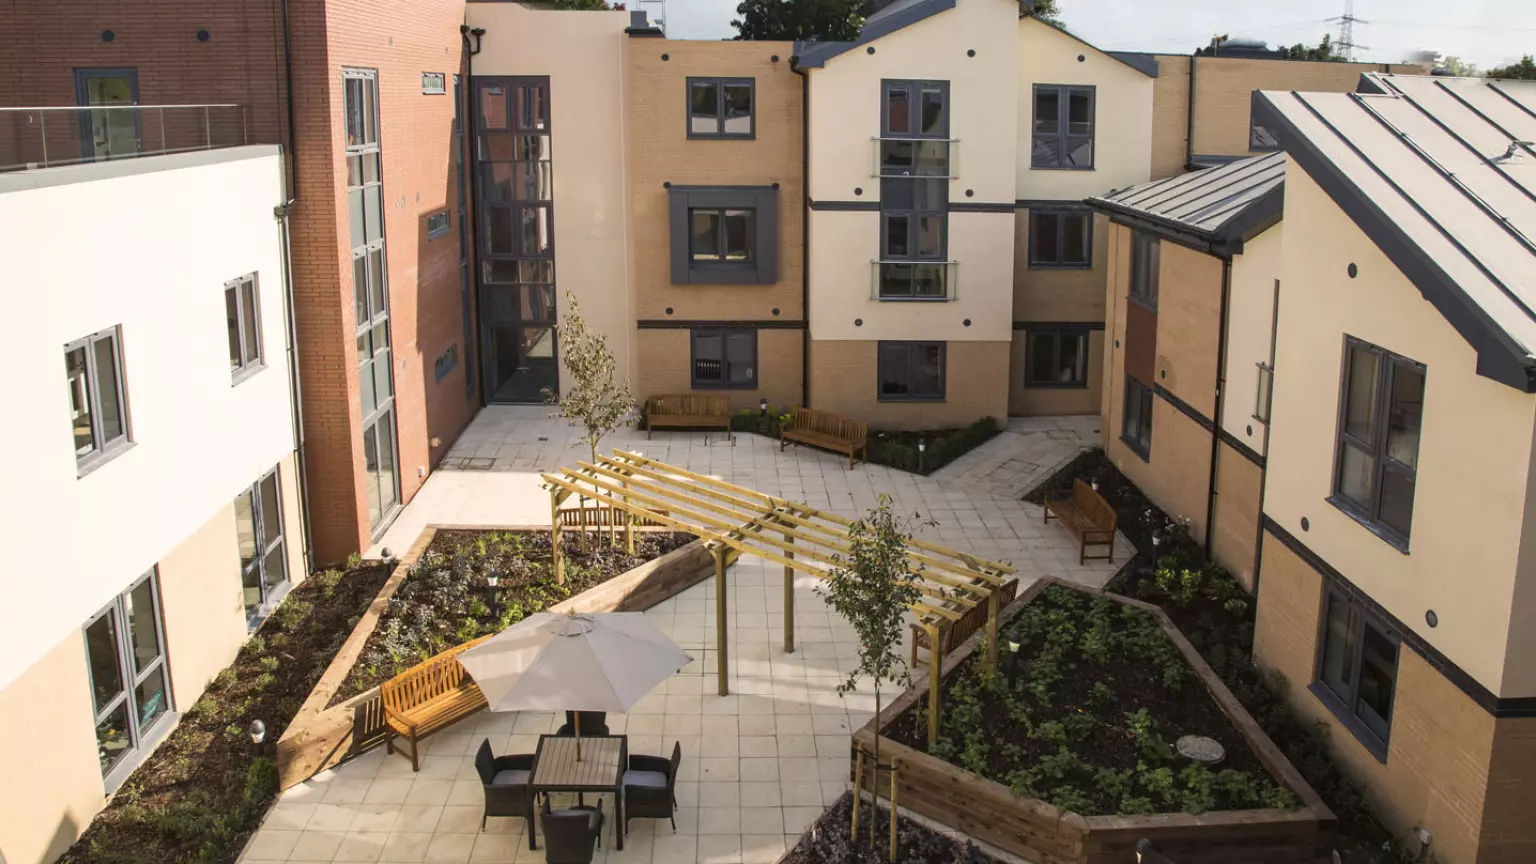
(578, 736)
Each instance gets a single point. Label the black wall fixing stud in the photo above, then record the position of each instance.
(666, 57)
(108, 36)
(1353, 271)
(669, 310)
(869, 50)
(971, 53)
(204, 35)
(775, 311)
(774, 59)
(858, 322)
(970, 193)
(858, 190)
(967, 322)
(1305, 525)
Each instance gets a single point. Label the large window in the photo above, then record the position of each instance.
(721, 108)
(724, 358)
(1136, 421)
(259, 530)
(914, 191)
(98, 409)
(723, 235)
(1063, 131)
(1061, 238)
(1146, 260)
(1357, 670)
(1057, 357)
(911, 371)
(720, 235)
(130, 693)
(242, 309)
(1381, 412)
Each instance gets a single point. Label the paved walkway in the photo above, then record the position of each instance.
(758, 765)
(1027, 451)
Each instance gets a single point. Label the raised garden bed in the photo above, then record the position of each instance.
(899, 449)
(827, 841)
(204, 789)
(1036, 760)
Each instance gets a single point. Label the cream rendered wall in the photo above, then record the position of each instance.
(582, 53)
(145, 245)
(845, 115)
(1250, 319)
(1122, 132)
(1474, 456)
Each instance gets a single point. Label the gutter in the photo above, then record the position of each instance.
(1221, 391)
(805, 230)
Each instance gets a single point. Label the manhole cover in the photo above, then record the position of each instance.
(1206, 751)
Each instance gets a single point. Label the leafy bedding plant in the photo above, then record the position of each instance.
(1084, 716)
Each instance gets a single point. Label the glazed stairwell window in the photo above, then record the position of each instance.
(914, 170)
(1063, 127)
(724, 358)
(1356, 676)
(130, 689)
(1381, 414)
(722, 108)
(98, 405)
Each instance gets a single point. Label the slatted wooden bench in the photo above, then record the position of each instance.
(428, 697)
(681, 412)
(828, 431)
(1089, 517)
(958, 631)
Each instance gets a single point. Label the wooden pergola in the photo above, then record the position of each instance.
(734, 521)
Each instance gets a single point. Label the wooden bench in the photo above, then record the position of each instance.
(828, 431)
(428, 697)
(959, 631)
(1089, 517)
(677, 412)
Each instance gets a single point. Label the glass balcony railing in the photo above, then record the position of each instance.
(33, 138)
(931, 281)
(936, 158)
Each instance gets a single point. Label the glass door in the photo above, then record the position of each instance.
(125, 653)
(108, 133)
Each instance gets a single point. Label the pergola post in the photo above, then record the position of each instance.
(935, 663)
(789, 598)
(723, 661)
(557, 554)
(992, 610)
(629, 525)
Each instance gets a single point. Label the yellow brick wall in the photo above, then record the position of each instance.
(1177, 477)
(1188, 325)
(1235, 534)
(843, 374)
(1509, 833)
(1059, 295)
(665, 356)
(1170, 116)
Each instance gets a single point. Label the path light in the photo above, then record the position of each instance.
(1013, 647)
(922, 446)
(493, 581)
(1157, 538)
(762, 405)
(389, 561)
(258, 733)
(1094, 483)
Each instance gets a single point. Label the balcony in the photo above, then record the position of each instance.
(919, 281)
(930, 158)
(32, 138)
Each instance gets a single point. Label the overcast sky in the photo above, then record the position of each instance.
(1485, 32)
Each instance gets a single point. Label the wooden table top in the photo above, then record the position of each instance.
(598, 767)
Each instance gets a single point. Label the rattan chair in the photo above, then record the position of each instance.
(569, 834)
(650, 787)
(507, 792)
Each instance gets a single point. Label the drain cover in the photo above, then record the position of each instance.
(1206, 751)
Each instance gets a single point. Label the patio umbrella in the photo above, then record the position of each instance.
(552, 662)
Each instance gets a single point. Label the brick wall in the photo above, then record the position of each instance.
(666, 355)
(1236, 530)
(843, 379)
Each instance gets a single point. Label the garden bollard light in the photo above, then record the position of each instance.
(390, 563)
(492, 581)
(258, 733)
(922, 446)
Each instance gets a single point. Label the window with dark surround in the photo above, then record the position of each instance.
(1356, 676)
(722, 108)
(1056, 357)
(720, 235)
(1063, 127)
(1136, 422)
(724, 235)
(724, 358)
(1381, 412)
(1146, 259)
(1060, 238)
(98, 407)
(911, 371)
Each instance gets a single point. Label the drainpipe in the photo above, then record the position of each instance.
(1189, 129)
(472, 165)
(1221, 392)
(805, 230)
(1258, 547)
(293, 167)
(283, 213)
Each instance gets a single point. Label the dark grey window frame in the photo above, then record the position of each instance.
(720, 85)
(1139, 439)
(82, 99)
(245, 368)
(912, 349)
(937, 210)
(763, 269)
(1387, 364)
(1063, 120)
(268, 541)
(1344, 706)
(725, 382)
(438, 224)
(102, 453)
(1146, 268)
(721, 256)
(141, 738)
(1055, 334)
(1061, 214)
(1256, 143)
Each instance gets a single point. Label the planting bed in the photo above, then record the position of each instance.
(827, 841)
(899, 449)
(445, 600)
(203, 790)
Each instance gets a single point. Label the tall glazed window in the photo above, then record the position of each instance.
(914, 169)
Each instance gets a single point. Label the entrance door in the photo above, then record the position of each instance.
(108, 133)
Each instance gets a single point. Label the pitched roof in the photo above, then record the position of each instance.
(1441, 174)
(1216, 209)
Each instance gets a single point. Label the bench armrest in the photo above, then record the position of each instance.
(396, 715)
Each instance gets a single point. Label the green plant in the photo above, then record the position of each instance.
(354, 561)
(269, 663)
(290, 613)
(328, 580)
(256, 644)
(264, 681)
(225, 678)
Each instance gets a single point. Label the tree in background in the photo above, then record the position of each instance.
(1525, 70)
(792, 20)
(1325, 51)
(1047, 11)
(579, 5)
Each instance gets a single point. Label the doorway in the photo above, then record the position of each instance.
(105, 132)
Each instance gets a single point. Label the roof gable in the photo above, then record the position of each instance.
(1215, 210)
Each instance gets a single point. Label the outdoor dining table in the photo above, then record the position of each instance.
(600, 769)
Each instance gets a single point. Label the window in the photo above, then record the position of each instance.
(914, 191)
(1357, 670)
(263, 561)
(130, 694)
(724, 235)
(721, 108)
(720, 235)
(1063, 132)
(911, 371)
(1146, 257)
(1136, 424)
(1266, 390)
(98, 409)
(108, 132)
(433, 83)
(1381, 412)
(1060, 238)
(438, 225)
(1056, 357)
(914, 129)
(1260, 138)
(724, 358)
(242, 311)
(445, 362)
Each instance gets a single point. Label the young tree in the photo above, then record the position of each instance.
(595, 399)
(1524, 70)
(873, 586)
(789, 20)
(1325, 51)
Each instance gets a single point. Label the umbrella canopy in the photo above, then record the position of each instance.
(553, 662)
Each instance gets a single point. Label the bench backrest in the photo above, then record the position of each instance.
(827, 423)
(976, 618)
(690, 406)
(427, 680)
(1093, 505)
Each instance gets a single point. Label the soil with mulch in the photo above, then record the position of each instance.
(941, 446)
(204, 789)
(827, 841)
(446, 599)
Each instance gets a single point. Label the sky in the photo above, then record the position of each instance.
(1485, 32)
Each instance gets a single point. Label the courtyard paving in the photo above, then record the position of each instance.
(758, 765)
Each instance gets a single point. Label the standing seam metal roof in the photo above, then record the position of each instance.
(1204, 201)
